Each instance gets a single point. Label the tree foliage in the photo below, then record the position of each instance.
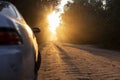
(96, 23)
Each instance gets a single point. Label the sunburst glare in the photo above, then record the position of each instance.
(54, 18)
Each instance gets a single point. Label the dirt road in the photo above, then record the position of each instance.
(62, 61)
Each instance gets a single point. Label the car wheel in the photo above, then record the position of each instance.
(38, 63)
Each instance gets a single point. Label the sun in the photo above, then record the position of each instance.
(54, 18)
(54, 21)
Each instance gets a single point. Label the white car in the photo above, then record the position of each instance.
(19, 54)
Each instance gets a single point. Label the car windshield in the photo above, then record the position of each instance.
(9, 10)
(6, 9)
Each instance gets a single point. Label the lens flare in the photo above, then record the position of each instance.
(54, 21)
(54, 18)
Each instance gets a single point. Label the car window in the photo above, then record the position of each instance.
(7, 10)
(10, 10)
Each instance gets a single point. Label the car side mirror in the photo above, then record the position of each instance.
(36, 29)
